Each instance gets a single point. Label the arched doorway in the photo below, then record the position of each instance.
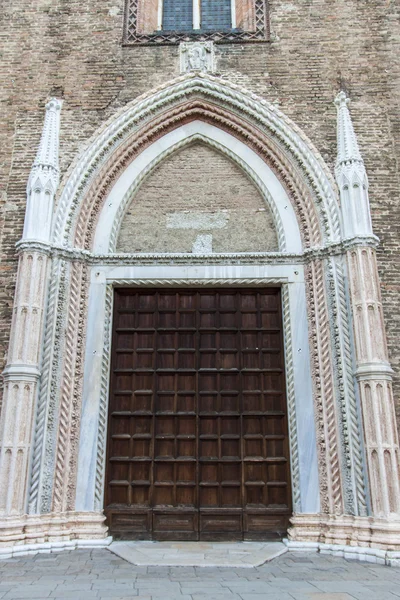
(309, 265)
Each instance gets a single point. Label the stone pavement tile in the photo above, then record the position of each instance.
(161, 596)
(75, 586)
(31, 594)
(118, 591)
(256, 587)
(86, 594)
(321, 596)
(347, 587)
(289, 585)
(226, 596)
(109, 584)
(116, 594)
(273, 596)
(377, 594)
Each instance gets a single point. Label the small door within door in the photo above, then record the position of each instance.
(197, 428)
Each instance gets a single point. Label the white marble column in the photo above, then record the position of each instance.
(21, 375)
(373, 371)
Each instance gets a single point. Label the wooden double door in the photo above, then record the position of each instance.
(197, 428)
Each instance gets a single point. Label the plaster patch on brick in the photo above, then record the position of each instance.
(203, 244)
(197, 220)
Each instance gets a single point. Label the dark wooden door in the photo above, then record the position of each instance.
(197, 429)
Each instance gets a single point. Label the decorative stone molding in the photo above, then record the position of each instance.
(197, 137)
(21, 375)
(351, 175)
(94, 258)
(372, 367)
(304, 486)
(373, 374)
(345, 530)
(360, 553)
(321, 214)
(197, 56)
(44, 178)
(68, 410)
(18, 533)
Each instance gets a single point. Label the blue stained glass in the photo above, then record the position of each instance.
(178, 15)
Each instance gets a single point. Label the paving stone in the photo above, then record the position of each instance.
(320, 596)
(273, 596)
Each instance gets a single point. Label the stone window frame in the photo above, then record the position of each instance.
(139, 30)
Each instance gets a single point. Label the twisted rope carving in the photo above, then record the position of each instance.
(69, 374)
(356, 461)
(195, 282)
(269, 151)
(291, 401)
(40, 421)
(327, 392)
(77, 389)
(53, 397)
(267, 116)
(102, 423)
(311, 277)
(125, 153)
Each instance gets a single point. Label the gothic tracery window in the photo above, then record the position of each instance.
(172, 21)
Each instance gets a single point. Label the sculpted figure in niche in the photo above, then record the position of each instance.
(196, 56)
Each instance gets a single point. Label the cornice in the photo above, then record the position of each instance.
(90, 258)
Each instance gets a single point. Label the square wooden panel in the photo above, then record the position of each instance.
(198, 444)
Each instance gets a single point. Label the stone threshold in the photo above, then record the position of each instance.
(198, 554)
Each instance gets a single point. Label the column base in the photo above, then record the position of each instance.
(29, 534)
(360, 538)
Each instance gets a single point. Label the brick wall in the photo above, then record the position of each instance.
(73, 49)
(229, 207)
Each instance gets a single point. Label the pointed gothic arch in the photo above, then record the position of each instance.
(68, 441)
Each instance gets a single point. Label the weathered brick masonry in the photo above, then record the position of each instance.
(73, 50)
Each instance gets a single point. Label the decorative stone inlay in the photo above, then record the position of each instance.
(197, 56)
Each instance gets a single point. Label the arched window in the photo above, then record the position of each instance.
(173, 21)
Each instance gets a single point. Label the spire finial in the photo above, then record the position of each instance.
(46, 161)
(44, 177)
(348, 150)
(351, 176)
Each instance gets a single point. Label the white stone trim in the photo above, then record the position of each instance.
(50, 547)
(196, 14)
(359, 553)
(268, 116)
(233, 14)
(125, 187)
(44, 178)
(95, 398)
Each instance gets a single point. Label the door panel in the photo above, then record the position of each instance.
(198, 442)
